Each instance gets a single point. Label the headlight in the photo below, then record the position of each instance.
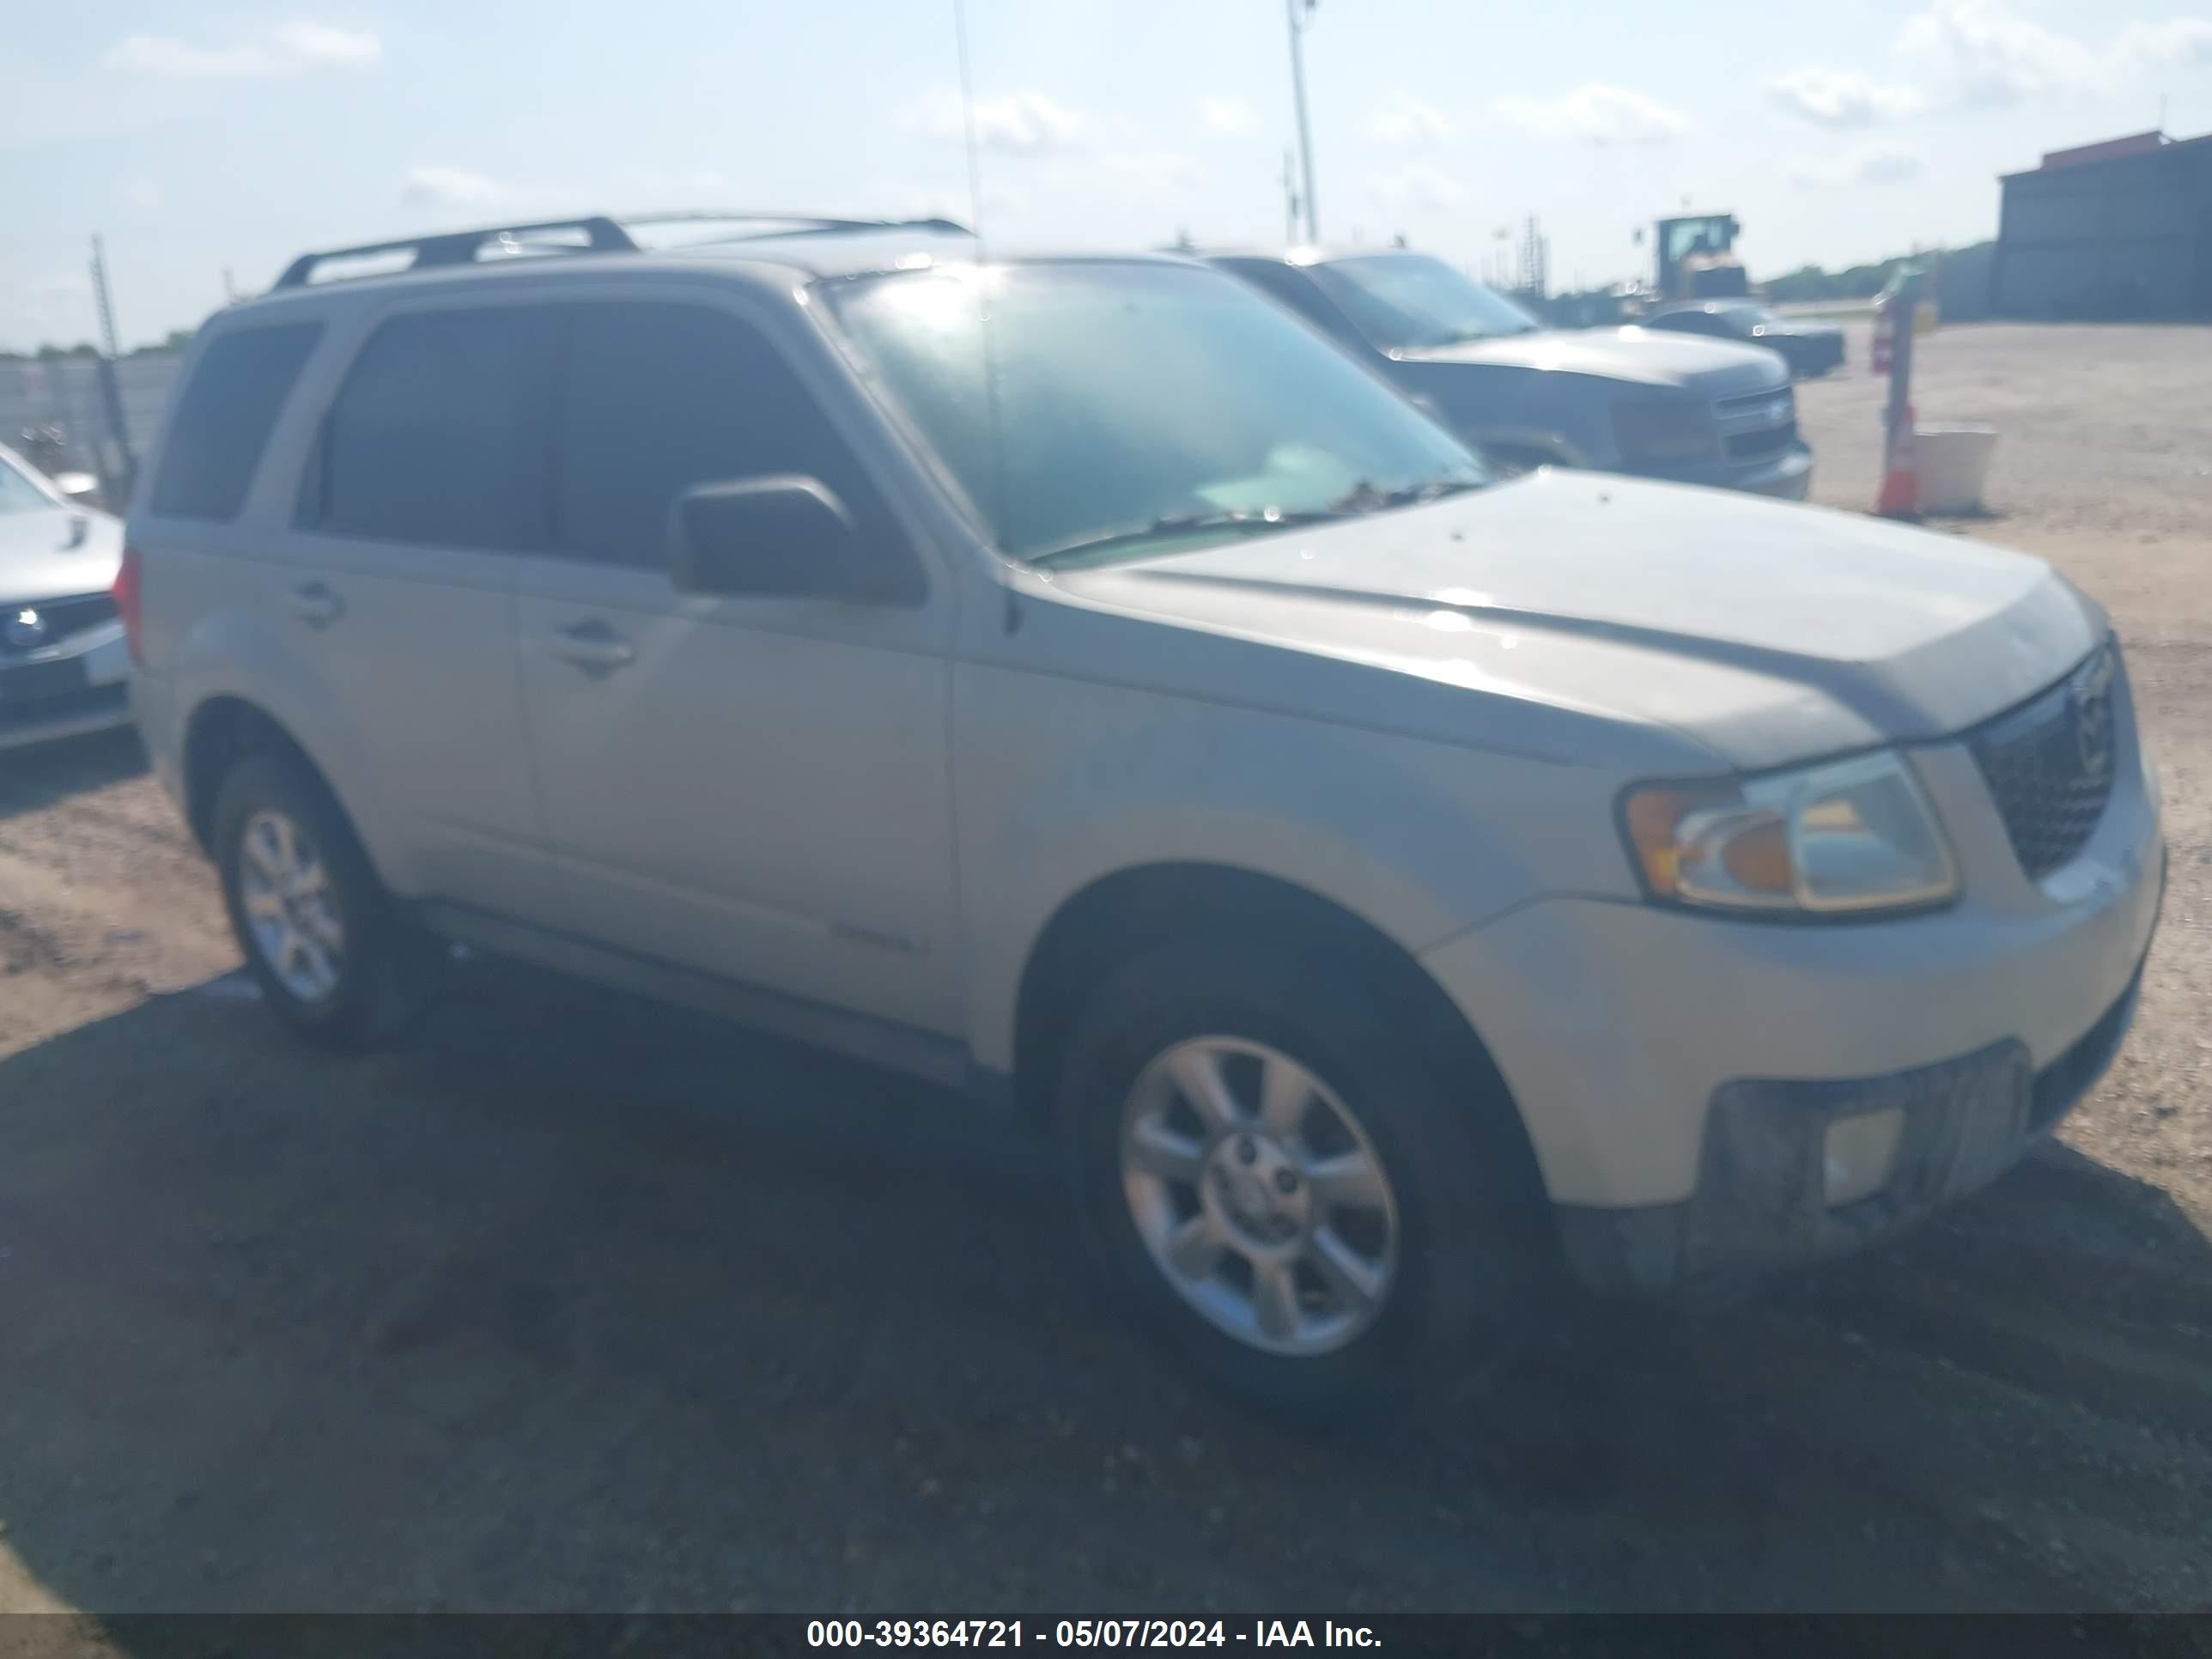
(1656, 433)
(1849, 838)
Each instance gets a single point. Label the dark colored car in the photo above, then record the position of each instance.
(1809, 348)
(1615, 400)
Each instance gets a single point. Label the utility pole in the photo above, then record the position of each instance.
(1290, 199)
(1292, 10)
(119, 474)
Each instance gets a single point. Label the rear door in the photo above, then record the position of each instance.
(422, 479)
(754, 787)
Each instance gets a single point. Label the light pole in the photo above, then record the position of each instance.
(1299, 12)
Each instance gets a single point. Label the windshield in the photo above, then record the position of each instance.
(1405, 301)
(1134, 403)
(17, 492)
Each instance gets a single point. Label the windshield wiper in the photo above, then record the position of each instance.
(1361, 498)
(1182, 524)
(1364, 498)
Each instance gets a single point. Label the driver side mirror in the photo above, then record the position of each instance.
(777, 537)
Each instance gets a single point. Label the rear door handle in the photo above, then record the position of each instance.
(594, 648)
(314, 604)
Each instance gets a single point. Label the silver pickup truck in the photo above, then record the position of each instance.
(1621, 400)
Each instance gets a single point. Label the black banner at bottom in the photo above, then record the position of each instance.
(741, 1636)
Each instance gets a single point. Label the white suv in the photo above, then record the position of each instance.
(1078, 682)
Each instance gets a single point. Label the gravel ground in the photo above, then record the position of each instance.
(573, 1302)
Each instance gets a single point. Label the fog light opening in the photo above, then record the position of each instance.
(1859, 1154)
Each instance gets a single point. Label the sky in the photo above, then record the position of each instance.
(203, 137)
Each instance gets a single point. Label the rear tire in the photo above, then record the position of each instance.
(333, 957)
(1438, 1230)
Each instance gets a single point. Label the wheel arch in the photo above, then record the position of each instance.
(222, 730)
(1117, 916)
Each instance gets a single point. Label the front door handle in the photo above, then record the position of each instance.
(314, 604)
(594, 648)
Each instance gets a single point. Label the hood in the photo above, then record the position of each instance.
(1645, 356)
(53, 553)
(1768, 632)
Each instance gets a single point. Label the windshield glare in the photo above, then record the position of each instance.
(1124, 396)
(1408, 301)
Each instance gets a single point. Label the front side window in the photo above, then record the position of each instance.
(437, 435)
(1115, 406)
(1408, 301)
(658, 398)
(221, 423)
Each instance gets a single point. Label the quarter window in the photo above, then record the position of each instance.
(221, 423)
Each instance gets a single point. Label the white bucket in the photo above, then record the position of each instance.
(1953, 463)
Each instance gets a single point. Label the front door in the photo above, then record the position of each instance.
(758, 788)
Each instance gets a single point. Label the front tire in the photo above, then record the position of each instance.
(323, 940)
(1278, 1180)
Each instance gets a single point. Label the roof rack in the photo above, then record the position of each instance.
(788, 224)
(602, 234)
(459, 247)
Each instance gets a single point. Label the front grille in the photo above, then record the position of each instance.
(2048, 765)
(59, 618)
(1757, 405)
(1753, 446)
(22, 715)
(34, 682)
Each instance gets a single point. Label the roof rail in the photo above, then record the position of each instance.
(799, 224)
(459, 248)
(602, 235)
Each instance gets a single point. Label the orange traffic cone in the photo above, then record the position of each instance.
(1900, 479)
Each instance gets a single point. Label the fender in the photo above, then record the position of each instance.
(1387, 830)
(234, 652)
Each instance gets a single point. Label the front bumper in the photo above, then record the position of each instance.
(1788, 474)
(1761, 1205)
(1677, 1072)
(76, 687)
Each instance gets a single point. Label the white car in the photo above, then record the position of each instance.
(1076, 681)
(63, 664)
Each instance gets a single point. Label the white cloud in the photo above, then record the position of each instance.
(1838, 98)
(436, 184)
(1408, 123)
(1230, 115)
(288, 49)
(1872, 164)
(2182, 42)
(1975, 54)
(1989, 57)
(1422, 186)
(1149, 166)
(1986, 56)
(693, 186)
(1597, 114)
(1016, 123)
(308, 43)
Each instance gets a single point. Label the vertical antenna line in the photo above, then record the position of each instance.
(982, 262)
(968, 121)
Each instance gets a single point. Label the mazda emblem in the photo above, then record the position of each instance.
(2093, 716)
(25, 630)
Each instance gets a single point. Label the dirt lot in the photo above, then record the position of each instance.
(575, 1304)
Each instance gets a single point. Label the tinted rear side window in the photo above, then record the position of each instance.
(221, 423)
(437, 435)
(657, 398)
